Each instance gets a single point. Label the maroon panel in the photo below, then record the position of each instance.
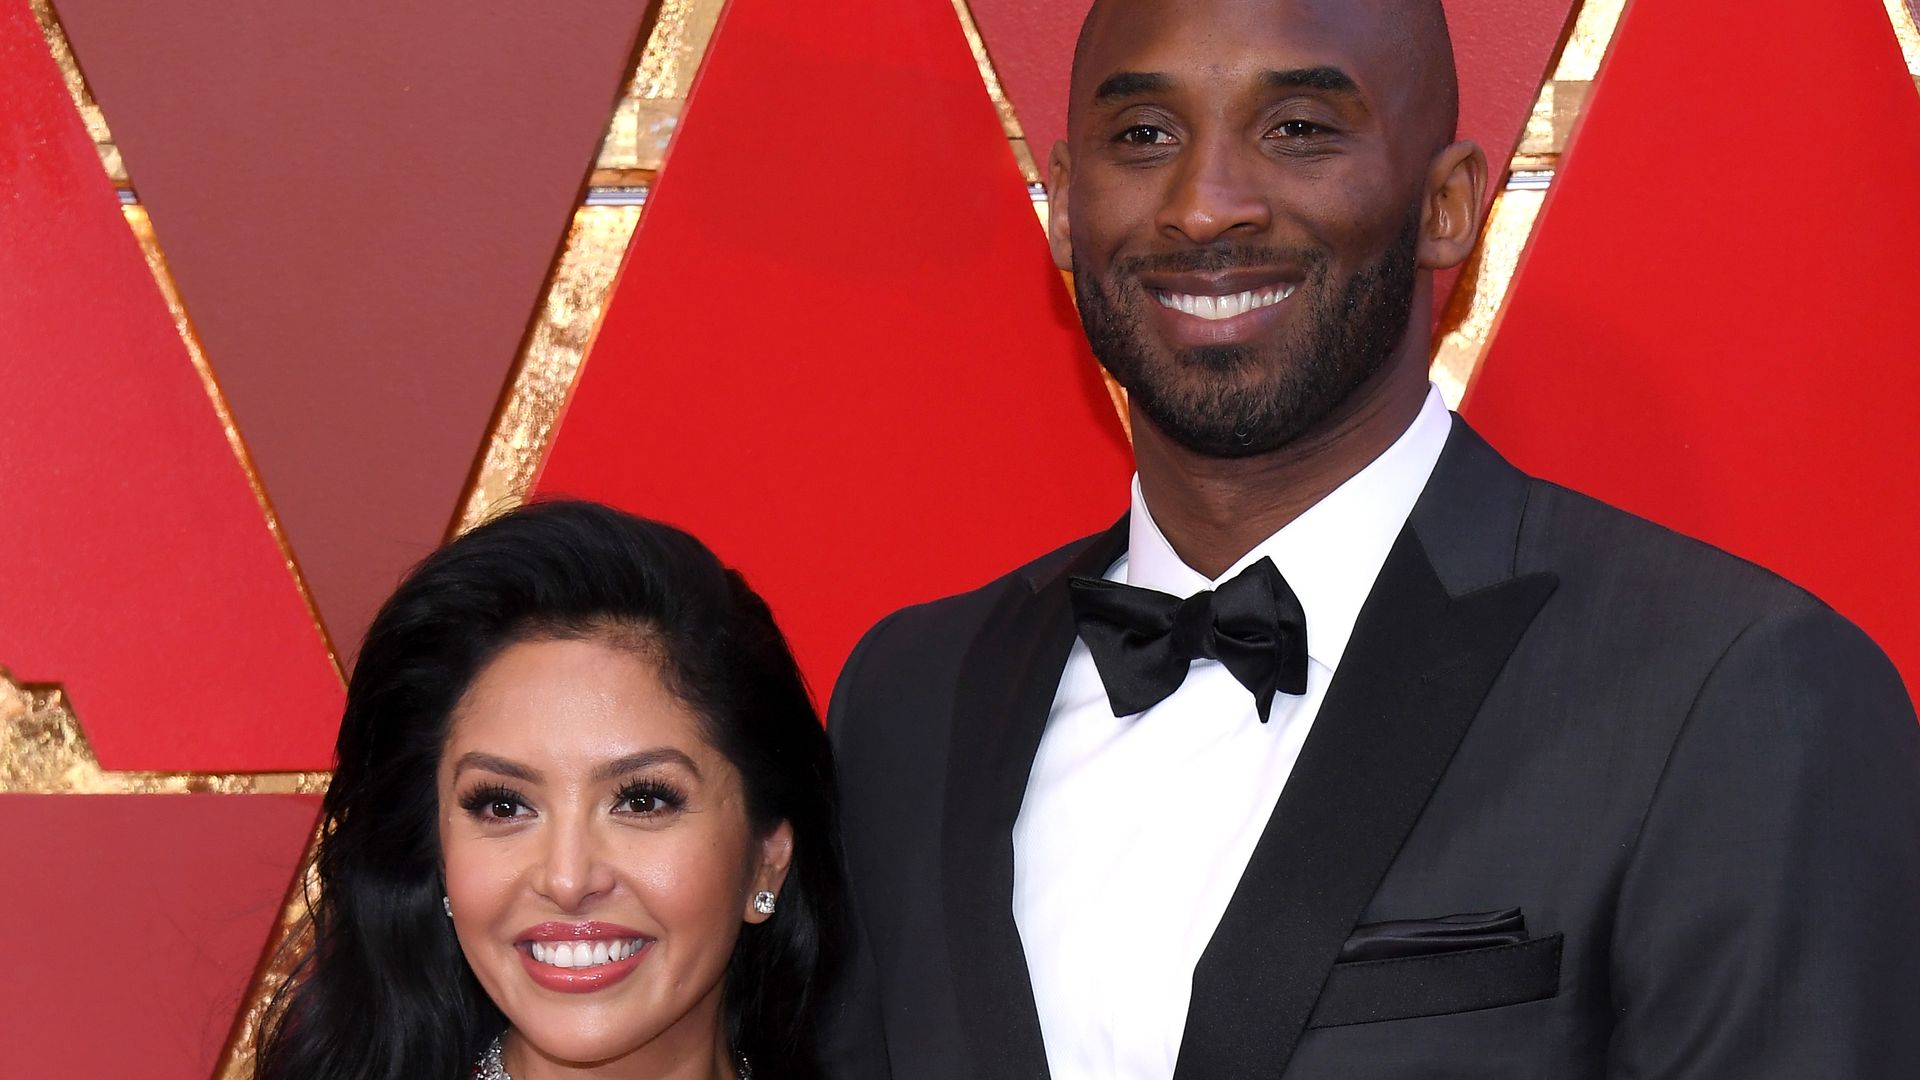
(359, 201)
(133, 925)
(1031, 43)
(1503, 49)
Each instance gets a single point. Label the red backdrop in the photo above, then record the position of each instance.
(1714, 325)
(898, 403)
(837, 350)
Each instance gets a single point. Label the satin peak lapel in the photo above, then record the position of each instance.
(1418, 667)
(1009, 678)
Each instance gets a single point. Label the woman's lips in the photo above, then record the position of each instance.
(581, 957)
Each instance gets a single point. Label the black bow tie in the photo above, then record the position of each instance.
(1143, 641)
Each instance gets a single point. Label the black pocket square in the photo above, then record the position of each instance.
(1432, 967)
(1424, 937)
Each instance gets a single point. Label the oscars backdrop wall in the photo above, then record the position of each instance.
(288, 295)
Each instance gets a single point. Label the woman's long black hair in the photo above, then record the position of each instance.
(382, 992)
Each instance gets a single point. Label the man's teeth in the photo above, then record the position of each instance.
(1224, 307)
(580, 954)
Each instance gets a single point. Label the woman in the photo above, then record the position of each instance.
(582, 819)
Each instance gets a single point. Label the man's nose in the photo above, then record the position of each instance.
(574, 867)
(1215, 191)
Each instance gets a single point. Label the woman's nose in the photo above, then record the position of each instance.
(573, 868)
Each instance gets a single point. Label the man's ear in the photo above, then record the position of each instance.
(1451, 211)
(1059, 236)
(774, 855)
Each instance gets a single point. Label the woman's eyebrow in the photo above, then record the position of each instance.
(659, 755)
(490, 763)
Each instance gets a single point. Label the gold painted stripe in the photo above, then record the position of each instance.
(649, 112)
(543, 376)
(90, 114)
(1908, 33)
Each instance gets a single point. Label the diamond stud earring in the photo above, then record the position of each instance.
(763, 902)
(447, 902)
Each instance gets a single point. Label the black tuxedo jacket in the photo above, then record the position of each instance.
(1697, 784)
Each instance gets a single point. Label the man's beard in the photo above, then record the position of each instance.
(1233, 401)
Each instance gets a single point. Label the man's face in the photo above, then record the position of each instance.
(1241, 205)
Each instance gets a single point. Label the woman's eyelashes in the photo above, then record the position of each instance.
(494, 802)
(649, 798)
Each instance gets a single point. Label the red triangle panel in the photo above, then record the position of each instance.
(1714, 324)
(839, 351)
(136, 567)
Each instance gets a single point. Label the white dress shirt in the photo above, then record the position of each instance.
(1135, 830)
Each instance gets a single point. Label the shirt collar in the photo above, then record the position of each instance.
(1331, 554)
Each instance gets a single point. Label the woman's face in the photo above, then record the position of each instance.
(598, 856)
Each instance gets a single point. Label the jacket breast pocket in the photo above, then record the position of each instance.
(1369, 991)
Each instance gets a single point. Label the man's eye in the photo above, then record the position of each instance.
(1298, 129)
(1144, 135)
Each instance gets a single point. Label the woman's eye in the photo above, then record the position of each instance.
(495, 804)
(649, 800)
(640, 804)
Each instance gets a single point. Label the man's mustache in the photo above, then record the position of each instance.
(1210, 260)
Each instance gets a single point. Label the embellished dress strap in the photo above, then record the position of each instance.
(492, 1066)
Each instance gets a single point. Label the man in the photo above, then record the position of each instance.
(1352, 751)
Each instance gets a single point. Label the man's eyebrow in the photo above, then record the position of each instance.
(659, 755)
(492, 764)
(1328, 79)
(1128, 84)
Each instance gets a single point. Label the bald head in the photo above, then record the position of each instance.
(1403, 47)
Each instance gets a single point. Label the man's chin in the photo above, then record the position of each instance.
(1202, 420)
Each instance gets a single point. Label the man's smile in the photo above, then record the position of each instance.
(1215, 308)
(1220, 308)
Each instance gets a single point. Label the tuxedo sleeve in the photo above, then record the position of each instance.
(1769, 918)
(853, 1037)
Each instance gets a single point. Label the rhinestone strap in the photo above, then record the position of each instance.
(492, 1067)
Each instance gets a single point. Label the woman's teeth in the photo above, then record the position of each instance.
(581, 954)
(1224, 307)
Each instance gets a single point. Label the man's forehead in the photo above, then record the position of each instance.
(1236, 37)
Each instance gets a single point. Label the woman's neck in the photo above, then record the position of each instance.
(687, 1050)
